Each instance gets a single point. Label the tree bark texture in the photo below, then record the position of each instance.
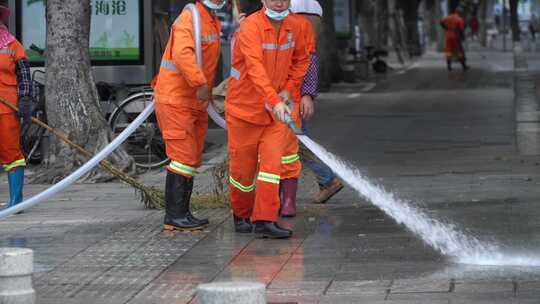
(330, 69)
(514, 20)
(71, 97)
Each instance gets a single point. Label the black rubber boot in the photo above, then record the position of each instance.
(271, 230)
(189, 190)
(464, 65)
(242, 225)
(176, 205)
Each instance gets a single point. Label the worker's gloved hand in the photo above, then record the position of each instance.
(203, 94)
(307, 107)
(285, 96)
(280, 110)
(25, 109)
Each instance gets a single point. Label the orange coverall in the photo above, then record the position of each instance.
(182, 118)
(264, 63)
(10, 151)
(454, 25)
(292, 167)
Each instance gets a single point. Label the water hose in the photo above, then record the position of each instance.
(212, 112)
(73, 177)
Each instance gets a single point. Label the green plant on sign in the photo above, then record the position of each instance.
(128, 40)
(103, 41)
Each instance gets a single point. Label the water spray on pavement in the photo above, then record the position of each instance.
(443, 237)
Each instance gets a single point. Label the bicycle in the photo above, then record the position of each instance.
(31, 134)
(146, 144)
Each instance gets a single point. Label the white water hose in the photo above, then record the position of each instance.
(198, 54)
(73, 177)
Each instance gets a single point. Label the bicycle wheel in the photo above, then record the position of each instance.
(146, 144)
(31, 136)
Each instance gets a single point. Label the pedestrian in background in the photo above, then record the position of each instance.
(182, 93)
(454, 27)
(15, 87)
(533, 27)
(329, 183)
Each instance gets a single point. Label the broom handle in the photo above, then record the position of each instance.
(107, 165)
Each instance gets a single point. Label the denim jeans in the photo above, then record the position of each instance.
(324, 174)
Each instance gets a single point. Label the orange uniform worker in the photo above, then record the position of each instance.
(15, 87)
(454, 25)
(292, 167)
(269, 63)
(182, 94)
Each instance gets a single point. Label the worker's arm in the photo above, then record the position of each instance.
(183, 51)
(250, 43)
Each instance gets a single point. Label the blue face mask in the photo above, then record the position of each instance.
(211, 5)
(277, 16)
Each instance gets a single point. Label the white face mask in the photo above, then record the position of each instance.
(277, 16)
(211, 5)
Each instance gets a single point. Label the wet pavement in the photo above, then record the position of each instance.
(444, 141)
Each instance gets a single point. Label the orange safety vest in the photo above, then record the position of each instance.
(179, 75)
(263, 65)
(8, 74)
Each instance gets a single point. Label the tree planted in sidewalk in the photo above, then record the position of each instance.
(71, 97)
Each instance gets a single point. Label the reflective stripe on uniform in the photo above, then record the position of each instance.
(269, 178)
(241, 187)
(269, 46)
(17, 163)
(169, 65)
(7, 51)
(235, 74)
(289, 159)
(179, 167)
(286, 46)
(283, 47)
(208, 38)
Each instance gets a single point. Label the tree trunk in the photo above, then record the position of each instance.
(381, 9)
(483, 22)
(514, 20)
(367, 19)
(71, 97)
(432, 19)
(410, 14)
(330, 69)
(395, 32)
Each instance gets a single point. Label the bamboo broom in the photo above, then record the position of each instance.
(151, 197)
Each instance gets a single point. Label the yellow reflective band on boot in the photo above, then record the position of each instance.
(241, 187)
(179, 167)
(269, 178)
(17, 163)
(285, 160)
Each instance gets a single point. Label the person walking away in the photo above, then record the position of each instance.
(182, 92)
(270, 60)
(533, 27)
(329, 183)
(454, 27)
(15, 87)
